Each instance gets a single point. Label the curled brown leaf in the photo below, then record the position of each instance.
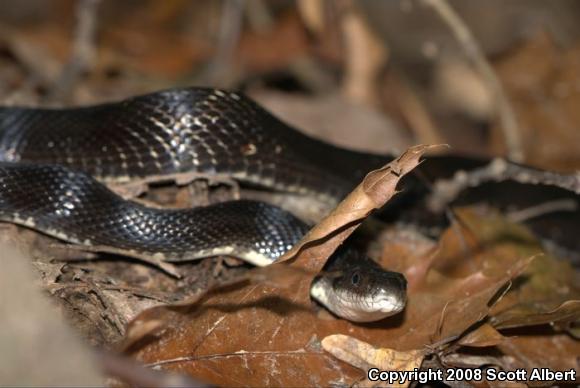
(250, 332)
(365, 356)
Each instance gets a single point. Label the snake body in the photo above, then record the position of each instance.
(73, 206)
(204, 132)
(53, 163)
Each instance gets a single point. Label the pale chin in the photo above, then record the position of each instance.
(383, 308)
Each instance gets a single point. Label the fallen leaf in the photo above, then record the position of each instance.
(463, 275)
(532, 314)
(365, 356)
(548, 291)
(484, 335)
(543, 349)
(375, 190)
(260, 334)
(540, 79)
(524, 320)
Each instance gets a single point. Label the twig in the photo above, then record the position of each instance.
(135, 374)
(528, 213)
(365, 56)
(508, 122)
(259, 16)
(445, 191)
(218, 72)
(312, 14)
(417, 115)
(83, 50)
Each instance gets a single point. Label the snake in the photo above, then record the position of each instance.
(55, 165)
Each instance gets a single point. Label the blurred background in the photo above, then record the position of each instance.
(487, 77)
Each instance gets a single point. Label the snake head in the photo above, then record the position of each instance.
(361, 292)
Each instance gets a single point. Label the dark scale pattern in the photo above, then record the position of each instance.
(75, 207)
(206, 131)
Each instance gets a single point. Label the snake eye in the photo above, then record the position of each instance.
(355, 279)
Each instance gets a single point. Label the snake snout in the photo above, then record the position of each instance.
(364, 292)
(391, 293)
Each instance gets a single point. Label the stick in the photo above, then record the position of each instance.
(506, 115)
(220, 71)
(567, 205)
(83, 50)
(445, 191)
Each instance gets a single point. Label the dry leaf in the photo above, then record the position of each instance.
(464, 273)
(260, 334)
(546, 293)
(549, 290)
(375, 190)
(543, 349)
(540, 80)
(484, 335)
(531, 315)
(365, 356)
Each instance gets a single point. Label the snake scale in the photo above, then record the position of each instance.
(54, 163)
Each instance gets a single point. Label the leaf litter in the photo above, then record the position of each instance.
(483, 278)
